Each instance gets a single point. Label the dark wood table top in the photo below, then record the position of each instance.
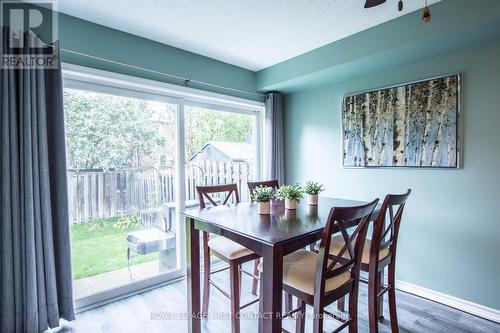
(280, 226)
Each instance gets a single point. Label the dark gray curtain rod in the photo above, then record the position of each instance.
(185, 79)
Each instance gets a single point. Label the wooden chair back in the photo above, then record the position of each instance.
(328, 265)
(206, 192)
(386, 227)
(268, 183)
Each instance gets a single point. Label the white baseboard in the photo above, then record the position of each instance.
(454, 302)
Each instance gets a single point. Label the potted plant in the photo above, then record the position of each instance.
(313, 189)
(291, 194)
(263, 196)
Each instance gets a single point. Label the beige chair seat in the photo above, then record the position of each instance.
(299, 272)
(338, 243)
(227, 247)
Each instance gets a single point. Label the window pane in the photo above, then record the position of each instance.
(121, 176)
(220, 149)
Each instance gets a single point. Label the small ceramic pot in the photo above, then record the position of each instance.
(290, 204)
(265, 208)
(313, 199)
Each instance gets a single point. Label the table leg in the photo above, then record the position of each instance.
(272, 283)
(193, 276)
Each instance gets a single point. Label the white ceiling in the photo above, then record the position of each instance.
(253, 34)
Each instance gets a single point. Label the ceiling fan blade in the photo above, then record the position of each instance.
(373, 3)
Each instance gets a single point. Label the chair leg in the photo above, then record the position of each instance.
(353, 308)
(380, 301)
(255, 280)
(288, 302)
(234, 281)
(392, 298)
(240, 277)
(318, 318)
(372, 298)
(206, 276)
(301, 317)
(341, 304)
(128, 264)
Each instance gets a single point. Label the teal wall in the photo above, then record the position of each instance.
(89, 38)
(450, 237)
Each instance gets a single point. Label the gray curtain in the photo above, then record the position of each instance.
(35, 265)
(274, 138)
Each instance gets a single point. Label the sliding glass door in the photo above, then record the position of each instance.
(135, 155)
(121, 155)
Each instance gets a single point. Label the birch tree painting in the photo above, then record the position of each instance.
(414, 125)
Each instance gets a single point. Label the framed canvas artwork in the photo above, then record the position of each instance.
(411, 125)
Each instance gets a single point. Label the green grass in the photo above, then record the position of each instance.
(99, 246)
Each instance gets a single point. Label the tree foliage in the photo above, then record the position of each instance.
(204, 125)
(111, 132)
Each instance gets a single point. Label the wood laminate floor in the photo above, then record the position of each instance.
(163, 310)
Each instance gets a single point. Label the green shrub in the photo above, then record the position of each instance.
(127, 222)
(98, 223)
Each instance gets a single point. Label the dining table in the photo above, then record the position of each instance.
(271, 236)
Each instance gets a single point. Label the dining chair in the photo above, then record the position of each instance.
(319, 279)
(379, 252)
(226, 250)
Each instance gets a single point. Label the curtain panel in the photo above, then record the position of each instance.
(274, 138)
(35, 264)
